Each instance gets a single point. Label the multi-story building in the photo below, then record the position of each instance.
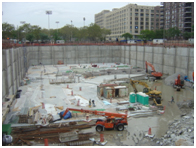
(179, 14)
(131, 18)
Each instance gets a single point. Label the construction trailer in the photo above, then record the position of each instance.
(115, 92)
(101, 87)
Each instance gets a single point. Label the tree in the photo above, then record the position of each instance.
(94, 32)
(8, 31)
(43, 36)
(173, 33)
(127, 36)
(30, 37)
(104, 32)
(186, 35)
(147, 34)
(35, 30)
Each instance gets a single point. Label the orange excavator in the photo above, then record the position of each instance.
(109, 123)
(178, 83)
(158, 75)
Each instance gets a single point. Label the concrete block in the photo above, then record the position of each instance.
(191, 54)
(46, 55)
(170, 51)
(181, 62)
(148, 57)
(148, 49)
(158, 58)
(158, 49)
(168, 60)
(133, 48)
(140, 56)
(181, 51)
(140, 48)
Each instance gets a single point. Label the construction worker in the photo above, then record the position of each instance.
(172, 100)
(90, 103)
(93, 102)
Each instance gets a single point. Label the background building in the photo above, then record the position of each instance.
(179, 14)
(134, 18)
(131, 18)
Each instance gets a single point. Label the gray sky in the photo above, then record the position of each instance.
(35, 12)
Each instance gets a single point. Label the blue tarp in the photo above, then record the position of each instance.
(106, 103)
(67, 116)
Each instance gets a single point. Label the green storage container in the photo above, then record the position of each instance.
(138, 97)
(6, 128)
(132, 97)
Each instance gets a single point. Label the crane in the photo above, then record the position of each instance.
(158, 75)
(109, 123)
(154, 94)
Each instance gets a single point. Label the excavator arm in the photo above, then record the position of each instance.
(149, 64)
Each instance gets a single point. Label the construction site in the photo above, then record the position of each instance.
(98, 95)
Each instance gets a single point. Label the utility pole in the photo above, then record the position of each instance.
(48, 13)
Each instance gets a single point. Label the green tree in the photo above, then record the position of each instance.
(147, 34)
(173, 33)
(158, 34)
(186, 35)
(127, 36)
(43, 37)
(94, 32)
(104, 32)
(36, 30)
(30, 37)
(8, 31)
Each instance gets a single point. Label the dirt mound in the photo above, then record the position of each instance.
(171, 79)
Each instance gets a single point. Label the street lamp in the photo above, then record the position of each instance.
(23, 22)
(84, 21)
(57, 25)
(48, 13)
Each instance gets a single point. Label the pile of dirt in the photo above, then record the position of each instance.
(171, 79)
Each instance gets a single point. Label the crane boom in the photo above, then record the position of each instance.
(101, 113)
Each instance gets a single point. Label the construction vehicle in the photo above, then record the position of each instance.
(153, 94)
(157, 75)
(178, 83)
(109, 123)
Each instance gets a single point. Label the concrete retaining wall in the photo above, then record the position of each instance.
(166, 60)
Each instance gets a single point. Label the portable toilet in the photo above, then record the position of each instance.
(138, 95)
(145, 99)
(132, 96)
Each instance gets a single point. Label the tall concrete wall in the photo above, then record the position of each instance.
(166, 60)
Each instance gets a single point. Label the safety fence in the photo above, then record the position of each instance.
(7, 45)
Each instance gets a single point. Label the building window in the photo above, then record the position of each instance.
(142, 19)
(136, 27)
(136, 31)
(152, 11)
(141, 14)
(157, 11)
(152, 23)
(141, 23)
(147, 10)
(157, 15)
(152, 15)
(130, 27)
(147, 19)
(136, 10)
(152, 19)
(142, 10)
(136, 23)
(136, 18)
(147, 23)
(141, 27)
(147, 15)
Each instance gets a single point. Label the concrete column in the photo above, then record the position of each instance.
(188, 50)
(144, 51)
(129, 55)
(175, 54)
(136, 57)
(163, 53)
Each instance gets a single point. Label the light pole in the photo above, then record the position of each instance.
(48, 13)
(23, 22)
(84, 21)
(71, 30)
(57, 25)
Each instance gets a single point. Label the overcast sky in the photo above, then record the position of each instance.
(35, 12)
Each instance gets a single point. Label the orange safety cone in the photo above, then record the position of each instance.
(46, 142)
(164, 108)
(149, 131)
(101, 138)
